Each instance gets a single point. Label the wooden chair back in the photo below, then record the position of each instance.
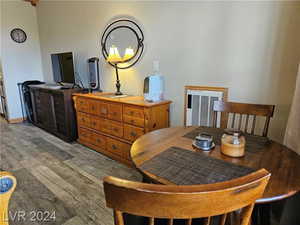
(198, 106)
(187, 201)
(240, 110)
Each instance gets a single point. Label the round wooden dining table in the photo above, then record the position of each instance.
(280, 161)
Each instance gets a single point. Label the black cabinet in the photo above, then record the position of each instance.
(53, 111)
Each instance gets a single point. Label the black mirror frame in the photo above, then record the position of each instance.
(139, 37)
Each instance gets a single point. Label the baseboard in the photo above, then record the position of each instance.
(16, 120)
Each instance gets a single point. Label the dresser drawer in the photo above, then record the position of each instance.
(134, 111)
(119, 148)
(82, 104)
(93, 107)
(134, 121)
(114, 111)
(83, 119)
(98, 140)
(105, 126)
(95, 122)
(98, 108)
(84, 134)
(131, 133)
(103, 109)
(116, 129)
(112, 127)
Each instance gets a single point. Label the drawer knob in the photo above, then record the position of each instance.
(98, 140)
(133, 134)
(116, 129)
(114, 147)
(94, 123)
(131, 112)
(114, 113)
(132, 121)
(93, 107)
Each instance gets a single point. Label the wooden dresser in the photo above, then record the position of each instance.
(53, 111)
(110, 125)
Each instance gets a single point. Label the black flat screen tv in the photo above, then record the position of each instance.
(63, 67)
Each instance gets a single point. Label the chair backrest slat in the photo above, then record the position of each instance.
(151, 220)
(184, 202)
(266, 127)
(170, 221)
(188, 221)
(246, 124)
(207, 221)
(233, 120)
(240, 121)
(245, 109)
(118, 216)
(253, 124)
(223, 219)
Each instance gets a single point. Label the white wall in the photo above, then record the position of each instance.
(250, 47)
(20, 62)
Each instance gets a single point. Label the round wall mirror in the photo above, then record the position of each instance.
(122, 38)
(126, 37)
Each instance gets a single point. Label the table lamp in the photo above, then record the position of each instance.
(115, 58)
(114, 33)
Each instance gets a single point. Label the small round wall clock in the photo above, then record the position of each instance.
(18, 35)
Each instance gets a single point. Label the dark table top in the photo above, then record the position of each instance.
(280, 161)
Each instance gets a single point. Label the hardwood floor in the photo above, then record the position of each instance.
(58, 183)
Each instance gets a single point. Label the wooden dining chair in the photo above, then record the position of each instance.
(247, 111)
(187, 202)
(198, 106)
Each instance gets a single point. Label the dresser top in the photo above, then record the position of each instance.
(54, 88)
(130, 99)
